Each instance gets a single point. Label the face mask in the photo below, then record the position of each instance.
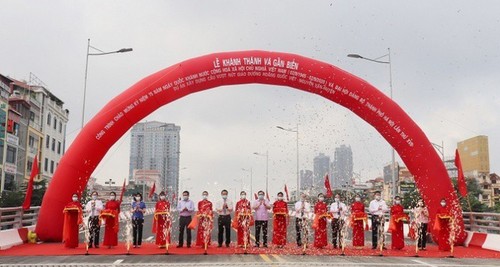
(261, 197)
(162, 197)
(243, 196)
(280, 198)
(224, 196)
(321, 198)
(397, 202)
(377, 197)
(112, 198)
(358, 199)
(75, 199)
(137, 198)
(185, 197)
(204, 196)
(337, 199)
(94, 197)
(443, 204)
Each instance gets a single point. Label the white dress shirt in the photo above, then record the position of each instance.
(219, 207)
(338, 209)
(302, 209)
(94, 207)
(378, 207)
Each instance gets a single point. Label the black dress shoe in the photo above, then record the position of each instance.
(219, 246)
(179, 246)
(96, 246)
(90, 246)
(188, 246)
(265, 245)
(227, 245)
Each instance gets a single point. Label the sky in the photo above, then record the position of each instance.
(445, 65)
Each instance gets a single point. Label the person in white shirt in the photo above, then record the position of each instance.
(224, 208)
(302, 210)
(338, 210)
(93, 210)
(377, 209)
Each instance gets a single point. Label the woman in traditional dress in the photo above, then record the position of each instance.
(205, 221)
(398, 217)
(321, 214)
(161, 221)
(243, 217)
(73, 218)
(280, 221)
(358, 218)
(110, 216)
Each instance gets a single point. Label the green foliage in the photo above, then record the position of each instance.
(11, 199)
(472, 198)
(410, 198)
(16, 198)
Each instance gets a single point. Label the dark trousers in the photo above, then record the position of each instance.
(224, 223)
(422, 237)
(376, 223)
(298, 230)
(337, 226)
(137, 230)
(258, 226)
(94, 230)
(184, 221)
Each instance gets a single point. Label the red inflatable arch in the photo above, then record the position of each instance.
(244, 67)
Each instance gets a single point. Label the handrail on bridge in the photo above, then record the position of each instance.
(15, 217)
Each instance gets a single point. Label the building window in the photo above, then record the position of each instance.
(31, 141)
(58, 147)
(51, 166)
(60, 127)
(11, 155)
(46, 165)
(53, 144)
(47, 142)
(29, 165)
(55, 123)
(49, 119)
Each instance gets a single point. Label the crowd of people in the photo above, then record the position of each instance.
(257, 213)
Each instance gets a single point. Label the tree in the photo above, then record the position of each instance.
(472, 198)
(11, 199)
(410, 198)
(39, 188)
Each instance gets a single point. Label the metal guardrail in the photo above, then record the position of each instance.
(16, 217)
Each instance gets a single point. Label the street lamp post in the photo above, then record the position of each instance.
(251, 179)
(298, 176)
(376, 60)
(101, 53)
(110, 183)
(267, 167)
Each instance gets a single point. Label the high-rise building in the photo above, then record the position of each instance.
(342, 167)
(156, 146)
(321, 168)
(306, 180)
(475, 157)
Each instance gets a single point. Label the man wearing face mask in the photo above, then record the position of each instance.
(280, 213)
(421, 215)
(442, 226)
(243, 220)
(93, 210)
(224, 208)
(302, 211)
(205, 220)
(338, 210)
(358, 218)
(185, 207)
(261, 206)
(398, 217)
(377, 209)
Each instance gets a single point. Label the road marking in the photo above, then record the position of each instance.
(265, 258)
(424, 263)
(278, 258)
(118, 262)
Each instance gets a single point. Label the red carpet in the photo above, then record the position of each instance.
(57, 249)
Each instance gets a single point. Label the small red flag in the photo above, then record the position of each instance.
(329, 192)
(461, 184)
(255, 195)
(286, 192)
(152, 191)
(123, 190)
(267, 196)
(29, 188)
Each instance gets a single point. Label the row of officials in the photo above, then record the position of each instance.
(256, 213)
